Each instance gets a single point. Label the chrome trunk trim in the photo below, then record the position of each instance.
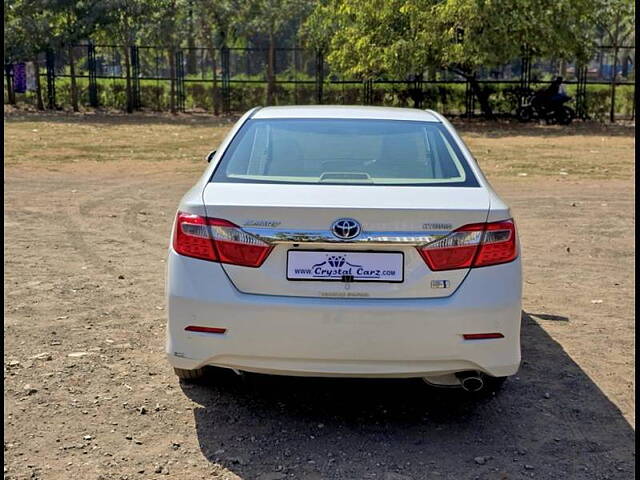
(275, 236)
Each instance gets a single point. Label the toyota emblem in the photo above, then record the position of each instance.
(345, 228)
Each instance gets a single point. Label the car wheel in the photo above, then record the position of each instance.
(190, 376)
(493, 384)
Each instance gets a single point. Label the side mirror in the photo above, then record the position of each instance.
(210, 156)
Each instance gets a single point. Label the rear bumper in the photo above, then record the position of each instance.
(343, 337)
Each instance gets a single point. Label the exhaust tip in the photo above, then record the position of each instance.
(472, 384)
(470, 381)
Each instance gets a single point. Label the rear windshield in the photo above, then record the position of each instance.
(344, 151)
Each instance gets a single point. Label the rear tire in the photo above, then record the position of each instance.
(191, 376)
(524, 114)
(493, 384)
(565, 115)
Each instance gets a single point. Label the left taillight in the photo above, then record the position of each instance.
(217, 240)
(474, 245)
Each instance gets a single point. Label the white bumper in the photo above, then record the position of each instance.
(343, 336)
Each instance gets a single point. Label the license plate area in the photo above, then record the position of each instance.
(345, 266)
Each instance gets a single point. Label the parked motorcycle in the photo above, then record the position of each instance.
(547, 104)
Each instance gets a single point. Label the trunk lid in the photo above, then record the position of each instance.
(392, 219)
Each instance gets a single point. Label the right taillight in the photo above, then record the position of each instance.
(475, 245)
(217, 240)
(499, 244)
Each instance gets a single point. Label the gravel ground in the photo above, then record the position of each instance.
(89, 395)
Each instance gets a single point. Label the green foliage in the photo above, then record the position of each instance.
(400, 37)
(26, 29)
(126, 21)
(217, 21)
(74, 20)
(374, 39)
(471, 33)
(269, 17)
(616, 19)
(371, 39)
(319, 26)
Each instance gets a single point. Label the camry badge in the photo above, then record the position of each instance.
(262, 223)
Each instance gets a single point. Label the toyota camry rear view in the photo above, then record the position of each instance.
(345, 241)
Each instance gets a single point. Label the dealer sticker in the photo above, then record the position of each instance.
(345, 266)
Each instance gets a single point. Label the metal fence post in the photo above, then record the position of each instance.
(8, 71)
(51, 79)
(525, 74)
(319, 76)
(180, 96)
(226, 88)
(295, 72)
(468, 100)
(135, 77)
(581, 92)
(215, 97)
(93, 82)
(417, 90)
(368, 91)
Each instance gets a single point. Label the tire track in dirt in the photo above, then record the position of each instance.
(140, 233)
(111, 196)
(261, 429)
(77, 240)
(76, 233)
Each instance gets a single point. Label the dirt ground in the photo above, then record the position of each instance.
(88, 207)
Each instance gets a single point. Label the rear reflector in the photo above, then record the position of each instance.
(474, 245)
(194, 328)
(481, 336)
(217, 240)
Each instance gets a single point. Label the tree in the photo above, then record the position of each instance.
(319, 27)
(472, 34)
(216, 22)
(126, 19)
(371, 39)
(71, 22)
(269, 17)
(400, 37)
(16, 46)
(168, 26)
(616, 19)
(26, 35)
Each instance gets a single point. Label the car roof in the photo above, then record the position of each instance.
(346, 111)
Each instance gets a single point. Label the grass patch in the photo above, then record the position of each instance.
(502, 149)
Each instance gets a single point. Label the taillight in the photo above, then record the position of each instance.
(192, 237)
(475, 245)
(236, 246)
(498, 244)
(217, 240)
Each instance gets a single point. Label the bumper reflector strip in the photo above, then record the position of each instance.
(195, 328)
(481, 336)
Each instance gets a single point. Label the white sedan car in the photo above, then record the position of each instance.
(345, 241)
